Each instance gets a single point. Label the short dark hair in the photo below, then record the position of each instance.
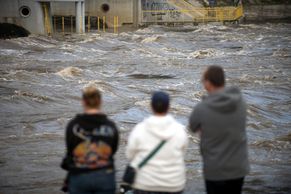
(215, 75)
(160, 102)
(92, 97)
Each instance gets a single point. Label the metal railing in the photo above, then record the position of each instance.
(67, 24)
(206, 14)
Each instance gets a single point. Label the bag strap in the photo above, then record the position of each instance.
(151, 154)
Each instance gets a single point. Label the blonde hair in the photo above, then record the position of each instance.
(92, 97)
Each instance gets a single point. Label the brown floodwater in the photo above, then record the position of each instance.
(41, 79)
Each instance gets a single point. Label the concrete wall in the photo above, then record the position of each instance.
(267, 12)
(129, 11)
(160, 6)
(121, 8)
(9, 13)
(155, 5)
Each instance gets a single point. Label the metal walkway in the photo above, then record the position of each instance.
(184, 5)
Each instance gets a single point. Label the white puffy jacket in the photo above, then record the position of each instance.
(165, 172)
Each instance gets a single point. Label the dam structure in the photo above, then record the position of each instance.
(79, 16)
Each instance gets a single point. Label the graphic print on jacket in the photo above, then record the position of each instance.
(92, 153)
(91, 141)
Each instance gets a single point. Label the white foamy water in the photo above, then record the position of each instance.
(70, 72)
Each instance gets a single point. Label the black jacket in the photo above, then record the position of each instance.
(92, 141)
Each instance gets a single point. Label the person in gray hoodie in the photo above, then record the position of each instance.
(221, 121)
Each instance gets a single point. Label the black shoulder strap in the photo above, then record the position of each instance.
(157, 148)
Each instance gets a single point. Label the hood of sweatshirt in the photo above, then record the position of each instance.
(224, 101)
(161, 126)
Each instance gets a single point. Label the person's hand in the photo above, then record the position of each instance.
(199, 131)
(65, 187)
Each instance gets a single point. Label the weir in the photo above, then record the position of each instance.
(80, 16)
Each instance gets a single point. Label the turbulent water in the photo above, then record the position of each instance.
(41, 79)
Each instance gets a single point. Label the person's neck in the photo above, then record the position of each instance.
(92, 111)
(215, 90)
(160, 114)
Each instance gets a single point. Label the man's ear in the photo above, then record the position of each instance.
(83, 103)
(206, 84)
(100, 104)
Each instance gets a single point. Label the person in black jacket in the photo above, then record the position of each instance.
(91, 141)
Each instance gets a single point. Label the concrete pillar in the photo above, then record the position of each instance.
(83, 16)
(80, 17)
(136, 12)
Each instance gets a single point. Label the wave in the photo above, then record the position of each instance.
(282, 53)
(275, 144)
(150, 30)
(257, 79)
(151, 39)
(102, 86)
(211, 28)
(70, 72)
(30, 95)
(12, 52)
(200, 54)
(36, 41)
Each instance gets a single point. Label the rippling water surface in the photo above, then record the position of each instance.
(41, 79)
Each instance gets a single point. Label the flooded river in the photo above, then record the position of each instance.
(41, 79)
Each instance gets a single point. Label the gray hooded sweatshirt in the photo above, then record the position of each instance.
(221, 117)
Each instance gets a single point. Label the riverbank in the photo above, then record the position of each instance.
(267, 13)
(258, 11)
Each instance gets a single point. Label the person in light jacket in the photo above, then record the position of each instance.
(165, 172)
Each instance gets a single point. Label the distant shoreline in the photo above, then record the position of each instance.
(261, 13)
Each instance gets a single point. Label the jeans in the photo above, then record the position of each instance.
(233, 186)
(136, 191)
(96, 182)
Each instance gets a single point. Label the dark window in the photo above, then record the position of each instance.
(105, 7)
(24, 11)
